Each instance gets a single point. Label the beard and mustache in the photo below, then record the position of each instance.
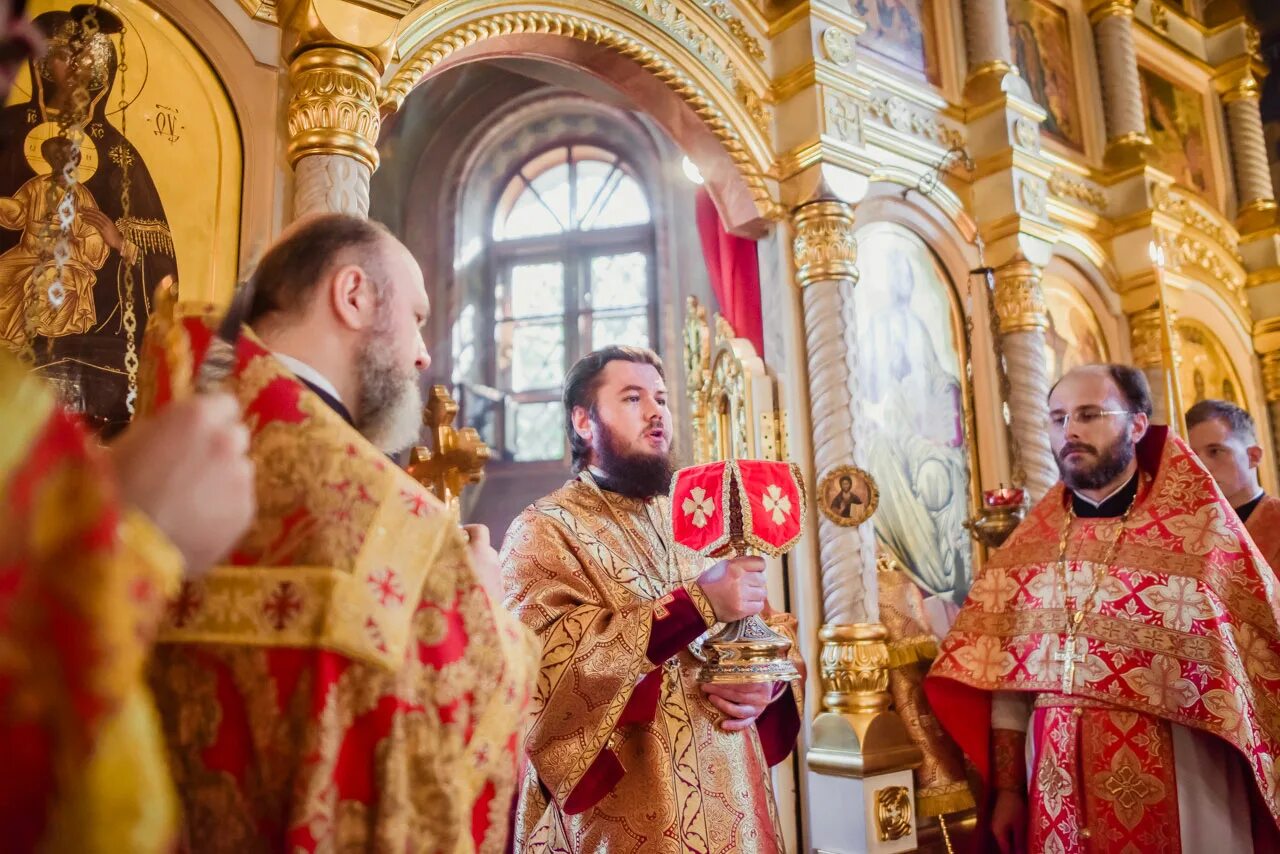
(634, 474)
(1110, 461)
(390, 401)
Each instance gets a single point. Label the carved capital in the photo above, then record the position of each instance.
(1145, 337)
(1019, 299)
(824, 246)
(334, 107)
(1242, 86)
(855, 667)
(1111, 9)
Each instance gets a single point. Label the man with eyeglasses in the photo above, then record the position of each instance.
(1225, 439)
(1096, 676)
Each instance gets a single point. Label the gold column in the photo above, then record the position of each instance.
(1155, 353)
(1270, 361)
(986, 38)
(1257, 201)
(333, 114)
(1022, 319)
(1126, 120)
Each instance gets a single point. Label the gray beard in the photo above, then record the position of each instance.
(390, 405)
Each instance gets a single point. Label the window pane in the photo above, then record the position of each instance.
(537, 355)
(536, 290)
(464, 344)
(591, 193)
(553, 186)
(535, 431)
(619, 281)
(625, 205)
(630, 329)
(528, 217)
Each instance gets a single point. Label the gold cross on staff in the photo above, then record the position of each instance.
(456, 457)
(1070, 657)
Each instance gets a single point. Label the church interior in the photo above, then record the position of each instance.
(865, 236)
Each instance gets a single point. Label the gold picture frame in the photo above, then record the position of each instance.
(848, 505)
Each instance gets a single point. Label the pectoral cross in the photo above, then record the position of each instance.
(456, 458)
(1070, 658)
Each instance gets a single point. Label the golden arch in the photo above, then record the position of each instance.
(731, 152)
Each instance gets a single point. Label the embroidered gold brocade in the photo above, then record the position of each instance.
(577, 580)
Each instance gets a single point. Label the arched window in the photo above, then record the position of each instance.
(572, 264)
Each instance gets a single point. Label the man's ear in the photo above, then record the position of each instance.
(582, 423)
(1138, 426)
(1254, 453)
(351, 294)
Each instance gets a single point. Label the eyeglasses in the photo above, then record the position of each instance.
(1083, 417)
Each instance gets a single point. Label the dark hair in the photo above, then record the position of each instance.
(1131, 382)
(1239, 422)
(583, 381)
(844, 478)
(287, 276)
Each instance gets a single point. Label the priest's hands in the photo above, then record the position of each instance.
(735, 588)
(187, 468)
(1009, 821)
(484, 561)
(740, 704)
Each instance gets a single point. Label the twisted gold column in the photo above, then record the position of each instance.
(1023, 318)
(1126, 120)
(1257, 199)
(1271, 387)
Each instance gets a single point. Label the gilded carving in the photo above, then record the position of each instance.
(756, 108)
(855, 667)
(1271, 376)
(824, 246)
(334, 108)
(837, 45)
(844, 118)
(1031, 196)
(1026, 134)
(893, 813)
(1019, 299)
(671, 19)
(1197, 252)
(1145, 336)
(737, 29)
(1064, 186)
(464, 35)
(1169, 202)
(1159, 16)
(1252, 41)
(899, 115)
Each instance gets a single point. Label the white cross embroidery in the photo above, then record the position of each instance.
(776, 504)
(699, 506)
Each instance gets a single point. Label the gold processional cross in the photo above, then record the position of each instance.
(1070, 657)
(455, 458)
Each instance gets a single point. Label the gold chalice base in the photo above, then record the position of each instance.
(747, 652)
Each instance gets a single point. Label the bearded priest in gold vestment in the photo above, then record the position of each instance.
(350, 681)
(628, 752)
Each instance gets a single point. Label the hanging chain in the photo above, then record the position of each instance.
(124, 159)
(54, 236)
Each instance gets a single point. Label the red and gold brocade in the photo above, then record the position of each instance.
(1186, 630)
(346, 683)
(1264, 527)
(627, 754)
(82, 586)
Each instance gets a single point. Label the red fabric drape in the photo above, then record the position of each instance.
(734, 271)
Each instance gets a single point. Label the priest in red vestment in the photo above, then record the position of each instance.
(1114, 672)
(350, 681)
(1225, 439)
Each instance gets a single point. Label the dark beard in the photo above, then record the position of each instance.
(633, 475)
(1111, 462)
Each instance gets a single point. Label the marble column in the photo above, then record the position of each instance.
(986, 39)
(1126, 119)
(333, 127)
(825, 258)
(860, 750)
(1023, 318)
(1257, 201)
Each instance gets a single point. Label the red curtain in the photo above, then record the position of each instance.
(734, 271)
